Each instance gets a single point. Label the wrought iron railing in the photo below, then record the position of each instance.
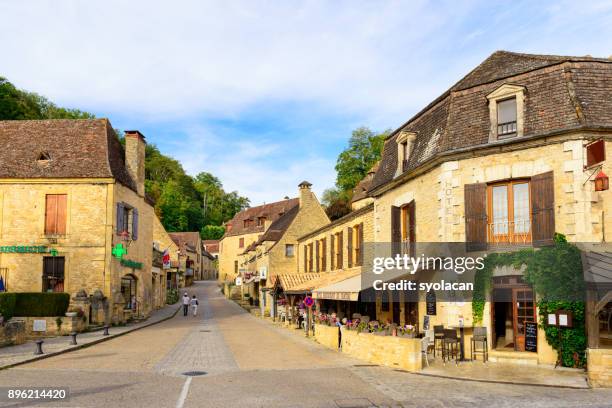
(509, 232)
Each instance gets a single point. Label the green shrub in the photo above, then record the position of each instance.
(7, 304)
(172, 296)
(41, 304)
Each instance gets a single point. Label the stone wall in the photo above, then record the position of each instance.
(599, 363)
(391, 351)
(328, 336)
(68, 325)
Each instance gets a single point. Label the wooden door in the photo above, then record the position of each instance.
(523, 311)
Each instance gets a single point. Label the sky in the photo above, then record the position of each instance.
(265, 94)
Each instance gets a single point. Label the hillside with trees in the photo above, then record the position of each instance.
(183, 202)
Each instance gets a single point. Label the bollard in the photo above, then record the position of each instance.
(73, 339)
(105, 331)
(39, 344)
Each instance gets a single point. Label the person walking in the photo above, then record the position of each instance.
(185, 304)
(194, 305)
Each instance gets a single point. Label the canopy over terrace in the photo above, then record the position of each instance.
(597, 269)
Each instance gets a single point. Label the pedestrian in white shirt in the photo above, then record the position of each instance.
(185, 304)
(194, 305)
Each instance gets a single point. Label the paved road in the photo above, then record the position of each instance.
(250, 363)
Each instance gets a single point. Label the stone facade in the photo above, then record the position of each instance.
(599, 362)
(329, 336)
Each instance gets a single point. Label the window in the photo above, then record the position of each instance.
(338, 250)
(358, 244)
(261, 221)
(241, 243)
(236, 267)
(55, 214)
(506, 118)
(408, 228)
(405, 140)
(289, 250)
(310, 257)
(128, 290)
(53, 274)
(509, 212)
(322, 260)
(506, 106)
(127, 220)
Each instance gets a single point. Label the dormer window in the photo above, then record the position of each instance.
(261, 221)
(506, 118)
(405, 141)
(506, 106)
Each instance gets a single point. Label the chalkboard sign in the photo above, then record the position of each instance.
(431, 303)
(531, 336)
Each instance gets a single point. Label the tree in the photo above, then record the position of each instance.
(364, 150)
(212, 232)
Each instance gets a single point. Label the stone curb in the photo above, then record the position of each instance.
(91, 343)
(586, 387)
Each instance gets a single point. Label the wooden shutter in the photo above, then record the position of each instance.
(475, 196)
(305, 258)
(340, 251)
(349, 246)
(542, 209)
(324, 257)
(317, 244)
(332, 252)
(120, 215)
(360, 241)
(51, 214)
(135, 224)
(396, 230)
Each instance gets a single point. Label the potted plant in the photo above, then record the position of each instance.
(408, 331)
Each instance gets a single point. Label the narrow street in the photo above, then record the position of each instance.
(246, 362)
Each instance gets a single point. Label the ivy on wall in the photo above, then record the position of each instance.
(556, 275)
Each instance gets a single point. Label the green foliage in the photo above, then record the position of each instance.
(212, 232)
(41, 304)
(364, 150)
(7, 304)
(556, 275)
(16, 104)
(172, 296)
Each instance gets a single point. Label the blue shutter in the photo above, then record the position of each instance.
(120, 214)
(135, 224)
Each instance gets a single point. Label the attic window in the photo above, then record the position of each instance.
(43, 157)
(405, 141)
(506, 106)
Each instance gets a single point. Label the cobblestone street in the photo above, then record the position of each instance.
(250, 362)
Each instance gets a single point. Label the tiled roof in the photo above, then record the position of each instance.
(339, 221)
(211, 245)
(271, 212)
(78, 148)
(188, 239)
(561, 93)
(361, 190)
(289, 280)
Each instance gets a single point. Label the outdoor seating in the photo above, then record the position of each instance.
(429, 335)
(438, 338)
(450, 347)
(479, 337)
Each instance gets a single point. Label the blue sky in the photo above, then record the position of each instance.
(264, 94)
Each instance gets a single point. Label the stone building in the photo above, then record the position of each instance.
(275, 252)
(163, 243)
(244, 229)
(73, 213)
(508, 155)
(190, 247)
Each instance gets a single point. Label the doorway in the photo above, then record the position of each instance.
(512, 306)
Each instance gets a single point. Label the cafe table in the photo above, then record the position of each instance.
(461, 338)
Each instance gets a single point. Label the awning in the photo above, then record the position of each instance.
(325, 279)
(288, 281)
(347, 289)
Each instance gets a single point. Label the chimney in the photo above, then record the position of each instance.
(135, 158)
(305, 193)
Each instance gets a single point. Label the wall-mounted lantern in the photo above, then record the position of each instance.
(602, 183)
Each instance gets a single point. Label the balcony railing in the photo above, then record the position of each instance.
(506, 129)
(509, 232)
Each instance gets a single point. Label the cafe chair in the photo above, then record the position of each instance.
(438, 338)
(450, 346)
(479, 337)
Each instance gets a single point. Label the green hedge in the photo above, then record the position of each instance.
(7, 305)
(41, 304)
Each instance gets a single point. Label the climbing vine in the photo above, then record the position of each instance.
(556, 275)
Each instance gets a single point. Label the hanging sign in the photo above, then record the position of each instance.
(166, 259)
(119, 251)
(430, 299)
(131, 264)
(24, 249)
